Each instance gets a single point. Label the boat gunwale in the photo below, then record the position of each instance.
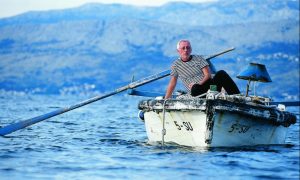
(257, 111)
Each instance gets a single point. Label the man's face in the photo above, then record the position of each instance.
(184, 50)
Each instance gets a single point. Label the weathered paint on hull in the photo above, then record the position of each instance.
(236, 130)
(189, 128)
(184, 128)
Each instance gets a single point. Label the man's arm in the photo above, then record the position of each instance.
(207, 76)
(171, 87)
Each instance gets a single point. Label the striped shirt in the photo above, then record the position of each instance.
(189, 71)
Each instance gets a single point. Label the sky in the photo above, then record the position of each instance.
(14, 7)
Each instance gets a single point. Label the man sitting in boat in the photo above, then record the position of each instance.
(194, 72)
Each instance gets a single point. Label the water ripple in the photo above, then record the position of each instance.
(105, 140)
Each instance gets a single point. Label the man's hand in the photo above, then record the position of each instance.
(191, 85)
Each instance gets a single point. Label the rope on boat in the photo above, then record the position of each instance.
(201, 95)
(163, 132)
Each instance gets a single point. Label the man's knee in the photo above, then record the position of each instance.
(221, 72)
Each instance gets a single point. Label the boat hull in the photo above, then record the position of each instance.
(184, 128)
(190, 129)
(215, 123)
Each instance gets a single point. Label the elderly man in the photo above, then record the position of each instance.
(193, 71)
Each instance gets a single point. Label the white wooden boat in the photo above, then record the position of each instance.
(217, 119)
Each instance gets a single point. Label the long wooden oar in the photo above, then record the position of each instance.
(22, 124)
(134, 92)
(286, 103)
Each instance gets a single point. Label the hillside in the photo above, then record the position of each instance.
(98, 47)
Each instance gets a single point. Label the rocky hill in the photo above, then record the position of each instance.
(98, 47)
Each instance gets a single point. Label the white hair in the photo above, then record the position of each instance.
(182, 40)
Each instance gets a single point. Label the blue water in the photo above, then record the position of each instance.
(105, 140)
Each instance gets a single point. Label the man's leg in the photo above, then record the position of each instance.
(198, 89)
(222, 79)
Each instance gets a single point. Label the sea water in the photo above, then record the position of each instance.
(106, 140)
